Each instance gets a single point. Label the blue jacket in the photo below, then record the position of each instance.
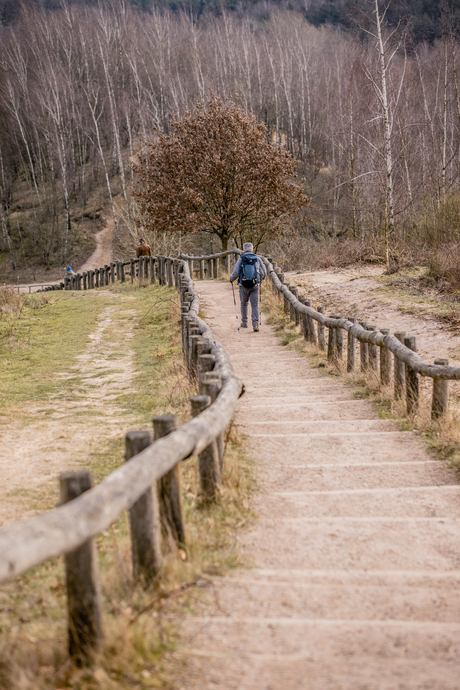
(259, 266)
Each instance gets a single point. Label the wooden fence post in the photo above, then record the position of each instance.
(290, 307)
(212, 385)
(144, 517)
(351, 348)
(188, 321)
(321, 331)
(122, 272)
(440, 400)
(194, 337)
(112, 272)
(332, 343)
(160, 270)
(287, 304)
(412, 388)
(201, 263)
(85, 280)
(305, 326)
(339, 342)
(385, 361)
(294, 312)
(82, 579)
(205, 363)
(228, 267)
(278, 290)
(169, 492)
(311, 326)
(399, 369)
(373, 354)
(364, 350)
(203, 347)
(208, 459)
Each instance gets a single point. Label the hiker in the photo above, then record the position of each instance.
(69, 273)
(143, 249)
(250, 271)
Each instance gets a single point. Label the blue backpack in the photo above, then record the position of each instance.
(249, 276)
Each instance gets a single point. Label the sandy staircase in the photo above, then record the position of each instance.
(353, 577)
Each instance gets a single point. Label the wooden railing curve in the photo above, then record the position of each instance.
(402, 347)
(70, 528)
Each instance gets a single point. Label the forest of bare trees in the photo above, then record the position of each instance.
(374, 122)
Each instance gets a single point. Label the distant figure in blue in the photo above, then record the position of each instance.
(250, 271)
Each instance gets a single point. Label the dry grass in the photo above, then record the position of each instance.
(442, 437)
(11, 303)
(140, 624)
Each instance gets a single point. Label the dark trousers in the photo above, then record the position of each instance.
(249, 295)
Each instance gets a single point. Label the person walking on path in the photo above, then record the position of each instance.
(143, 248)
(250, 271)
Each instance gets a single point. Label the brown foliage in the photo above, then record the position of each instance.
(217, 172)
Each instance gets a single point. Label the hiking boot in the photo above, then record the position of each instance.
(244, 325)
(256, 329)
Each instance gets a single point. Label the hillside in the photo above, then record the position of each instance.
(425, 19)
(80, 89)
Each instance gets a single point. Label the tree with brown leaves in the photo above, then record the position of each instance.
(217, 172)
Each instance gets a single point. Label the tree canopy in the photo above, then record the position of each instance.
(216, 171)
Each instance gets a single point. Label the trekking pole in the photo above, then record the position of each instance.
(236, 310)
(260, 303)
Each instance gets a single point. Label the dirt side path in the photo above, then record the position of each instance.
(355, 292)
(59, 435)
(102, 255)
(351, 577)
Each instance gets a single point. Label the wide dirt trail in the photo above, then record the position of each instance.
(353, 577)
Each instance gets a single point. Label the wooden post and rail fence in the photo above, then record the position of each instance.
(148, 484)
(377, 348)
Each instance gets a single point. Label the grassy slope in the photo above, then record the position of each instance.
(44, 342)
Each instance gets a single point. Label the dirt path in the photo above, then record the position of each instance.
(355, 292)
(60, 435)
(102, 255)
(352, 577)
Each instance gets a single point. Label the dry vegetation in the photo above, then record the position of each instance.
(140, 624)
(109, 77)
(442, 437)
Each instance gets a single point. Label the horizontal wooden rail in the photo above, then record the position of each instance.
(26, 544)
(229, 252)
(403, 353)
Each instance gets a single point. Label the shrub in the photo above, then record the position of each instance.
(11, 303)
